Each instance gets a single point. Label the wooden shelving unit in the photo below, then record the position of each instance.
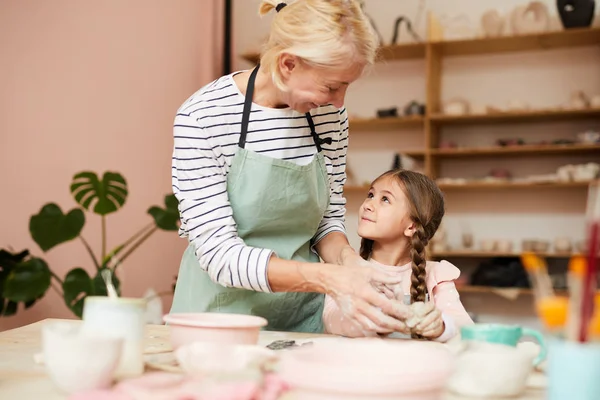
(387, 123)
(516, 150)
(513, 185)
(485, 254)
(512, 117)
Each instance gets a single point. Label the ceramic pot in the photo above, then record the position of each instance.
(576, 13)
(77, 361)
(121, 318)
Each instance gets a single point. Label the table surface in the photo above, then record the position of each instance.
(21, 377)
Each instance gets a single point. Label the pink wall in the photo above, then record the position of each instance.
(95, 86)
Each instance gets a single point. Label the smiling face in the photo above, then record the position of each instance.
(384, 216)
(310, 87)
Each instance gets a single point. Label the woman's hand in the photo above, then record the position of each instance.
(361, 292)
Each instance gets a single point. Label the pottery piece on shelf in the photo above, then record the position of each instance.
(387, 112)
(586, 172)
(589, 137)
(414, 108)
(456, 106)
(77, 361)
(504, 246)
(578, 100)
(487, 245)
(533, 18)
(563, 245)
(493, 110)
(576, 13)
(517, 105)
(457, 27)
(566, 173)
(595, 101)
(492, 23)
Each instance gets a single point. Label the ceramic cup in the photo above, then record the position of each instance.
(123, 318)
(573, 370)
(78, 361)
(490, 370)
(508, 335)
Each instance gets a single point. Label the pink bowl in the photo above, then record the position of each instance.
(368, 369)
(214, 327)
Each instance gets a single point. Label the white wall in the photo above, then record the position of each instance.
(542, 79)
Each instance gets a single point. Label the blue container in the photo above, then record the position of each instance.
(573, 370)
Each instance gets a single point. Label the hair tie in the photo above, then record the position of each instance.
(280, 6)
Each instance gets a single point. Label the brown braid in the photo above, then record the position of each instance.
(366, 248)
(418, 287)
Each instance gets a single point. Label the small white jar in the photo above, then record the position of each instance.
(123, 318)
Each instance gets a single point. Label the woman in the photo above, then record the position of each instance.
(259, 169)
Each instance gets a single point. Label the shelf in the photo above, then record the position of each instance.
(409, 51)
(488, 254)
(516, 150)
(512, 185)
(541, 41)
(386, 123)
(522, 116)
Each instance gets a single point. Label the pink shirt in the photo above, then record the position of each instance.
(440, 285)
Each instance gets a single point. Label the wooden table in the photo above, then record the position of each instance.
(21, 378)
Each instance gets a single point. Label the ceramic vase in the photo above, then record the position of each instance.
(576, 13)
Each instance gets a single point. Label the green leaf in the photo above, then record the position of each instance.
(168, 217)
(28, 281)
(76, 287)
(108, 194)
(10, 309)
(8, 263)
(99, 286)
(50, 227)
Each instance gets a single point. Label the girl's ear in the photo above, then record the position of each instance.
(410, 230)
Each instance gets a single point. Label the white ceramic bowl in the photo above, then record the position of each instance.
(77, 361)
(368, 369)
(204, 357)
(214, 327)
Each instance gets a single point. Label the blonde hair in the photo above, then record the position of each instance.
(322, 33)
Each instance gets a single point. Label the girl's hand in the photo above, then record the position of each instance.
(428, 320)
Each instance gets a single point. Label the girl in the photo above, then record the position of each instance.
(401, 213)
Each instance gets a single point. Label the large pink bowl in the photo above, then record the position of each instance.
(368, 369)
(214, 327)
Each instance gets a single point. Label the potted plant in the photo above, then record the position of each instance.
(25, 278)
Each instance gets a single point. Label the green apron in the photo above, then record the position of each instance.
(277, 205)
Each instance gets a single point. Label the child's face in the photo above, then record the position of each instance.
(385, 214)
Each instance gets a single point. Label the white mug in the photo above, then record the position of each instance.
(120, 317)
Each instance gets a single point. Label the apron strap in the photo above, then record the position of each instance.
(248, 107)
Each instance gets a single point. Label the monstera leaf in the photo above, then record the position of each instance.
(22, 279)
(166, 218)
(108, 194)
(78, 285)
(51, 227)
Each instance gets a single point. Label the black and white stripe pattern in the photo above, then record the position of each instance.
(206, 132)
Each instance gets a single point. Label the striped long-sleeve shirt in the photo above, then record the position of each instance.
(206, 133)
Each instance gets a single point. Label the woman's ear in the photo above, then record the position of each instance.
(287, 64)
(410, 230)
